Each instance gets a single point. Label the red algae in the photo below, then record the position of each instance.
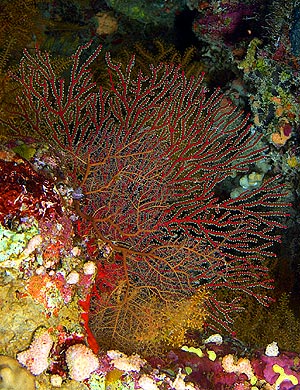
(24, 192)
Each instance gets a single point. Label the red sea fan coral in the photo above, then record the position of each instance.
(148, 155)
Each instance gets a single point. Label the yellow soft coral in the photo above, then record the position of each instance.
(165, 324)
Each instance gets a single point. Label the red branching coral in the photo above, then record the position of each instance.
(148, 155)
(24, 192)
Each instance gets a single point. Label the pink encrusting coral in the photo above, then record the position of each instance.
(81, 362)
(210, 366)
(36, 357)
